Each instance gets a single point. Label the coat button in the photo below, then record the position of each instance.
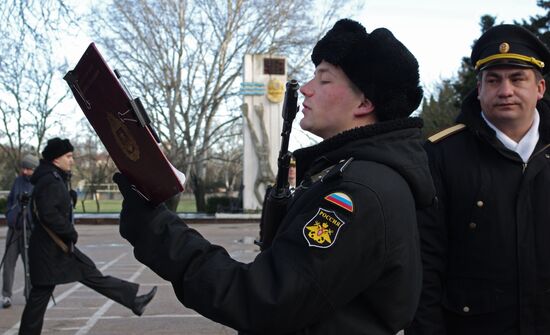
(466, 309)
(479, 203)
(472, 225)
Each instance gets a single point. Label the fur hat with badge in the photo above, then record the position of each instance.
(377, 63)
(56, 147)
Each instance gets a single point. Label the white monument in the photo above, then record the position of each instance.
(263, 91)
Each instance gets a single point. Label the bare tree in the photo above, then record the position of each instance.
(94, 167)
(27, 83)
(225, 163)
(184, 57)
(29, 74)
(37, 17)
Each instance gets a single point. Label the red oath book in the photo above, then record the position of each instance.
(123, 126)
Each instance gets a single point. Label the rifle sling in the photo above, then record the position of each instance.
(57, 240)
(333, 171)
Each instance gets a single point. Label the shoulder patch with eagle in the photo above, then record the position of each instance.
(321, 231)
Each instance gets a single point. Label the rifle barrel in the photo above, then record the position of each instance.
(290, 109)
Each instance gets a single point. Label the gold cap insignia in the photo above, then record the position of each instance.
(504, 48)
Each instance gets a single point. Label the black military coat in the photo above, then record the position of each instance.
(52, 207)
(345, 260)
(486, 248)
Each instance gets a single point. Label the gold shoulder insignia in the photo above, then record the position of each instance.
(446, 133)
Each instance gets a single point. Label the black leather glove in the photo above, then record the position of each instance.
(136, 211)
(74, 237)
(74, 197)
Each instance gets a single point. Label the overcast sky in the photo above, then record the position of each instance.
(440, 32)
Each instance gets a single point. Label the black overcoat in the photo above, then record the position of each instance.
(52, 207)
(486, 247)
(345, 260)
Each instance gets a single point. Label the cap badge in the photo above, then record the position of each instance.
(504, 48)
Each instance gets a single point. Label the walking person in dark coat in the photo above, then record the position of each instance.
(54, 258)
(346, 257)
(15, 238)
(486, 246)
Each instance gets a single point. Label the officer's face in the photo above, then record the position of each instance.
(330, 101)
(508, 96)
(64, 162)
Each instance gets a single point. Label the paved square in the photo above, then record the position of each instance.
(80, 311)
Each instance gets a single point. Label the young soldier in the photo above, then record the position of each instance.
(346, 258)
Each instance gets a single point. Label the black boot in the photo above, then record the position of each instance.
(142, 300)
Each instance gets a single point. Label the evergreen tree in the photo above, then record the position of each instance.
(539, 24)
(440, 111)
(466, 80)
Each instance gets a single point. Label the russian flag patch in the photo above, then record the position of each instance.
(340, 199)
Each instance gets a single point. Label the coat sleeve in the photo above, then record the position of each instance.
(51, 204)
(12, 195)
(12, 210)
(287, 287)
(433, 236)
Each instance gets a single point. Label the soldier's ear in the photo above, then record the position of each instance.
(365, 108)
(541, 88)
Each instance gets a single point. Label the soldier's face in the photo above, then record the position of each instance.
(329, 101)
(64, 162)
(508, 96)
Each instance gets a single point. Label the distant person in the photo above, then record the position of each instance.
(53, 256)
(346, 257)
(15, 243)
(486, 245)
(292, 174)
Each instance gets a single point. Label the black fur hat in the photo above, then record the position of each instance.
(377, 63)
(56, 147)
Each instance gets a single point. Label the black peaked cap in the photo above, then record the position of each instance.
(510, 45)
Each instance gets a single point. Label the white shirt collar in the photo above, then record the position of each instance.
(525, 147)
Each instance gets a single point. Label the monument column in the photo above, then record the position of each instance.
(263, 90)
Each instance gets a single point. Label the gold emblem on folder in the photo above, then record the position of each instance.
(124, 138)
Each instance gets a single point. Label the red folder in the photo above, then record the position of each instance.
(123, 127)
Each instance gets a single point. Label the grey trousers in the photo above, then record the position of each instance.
(14, 248)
